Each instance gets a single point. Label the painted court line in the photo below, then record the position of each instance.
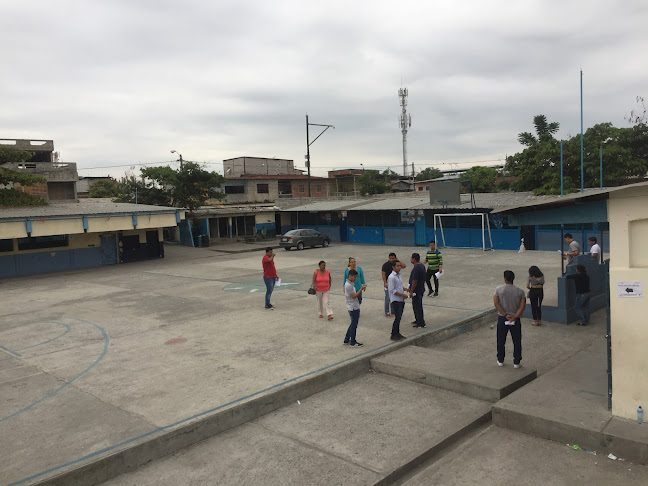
(65, 385)
(18, 355)
(220, 407)
(67, 329)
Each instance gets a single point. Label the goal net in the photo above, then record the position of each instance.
(486, 237)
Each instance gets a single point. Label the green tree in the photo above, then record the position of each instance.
(625, 159)
(373, 182)
(10, 196)
(482, 178)
(189, 187)
(429, 173)
(104, 188)
(389, 174)
(544, 131)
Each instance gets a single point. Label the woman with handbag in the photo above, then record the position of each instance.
(322, 285)
(535, 282)
(359, 281)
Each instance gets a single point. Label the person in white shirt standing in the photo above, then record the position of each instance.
(595, 249)
(397, 298)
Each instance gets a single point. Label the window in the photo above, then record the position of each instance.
(420, 188)
(300, 188)
(234, 189)
(427, 188)
(42, 242)
(263, 189)
(6, 245)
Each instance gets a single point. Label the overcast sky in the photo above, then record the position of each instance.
(119, 82)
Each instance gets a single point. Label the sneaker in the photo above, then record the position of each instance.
(321, 316)
(387, 315)
(583, 324)
(436, 294)
(395, 338)
(330, 318)
(269, 307)
(356, 345)
(499, 363)
(419, 326)
(430, 293)
(346, 342)
(516, 366)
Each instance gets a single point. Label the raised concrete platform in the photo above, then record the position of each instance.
(569, 404)
(471, 377)
(370, 430)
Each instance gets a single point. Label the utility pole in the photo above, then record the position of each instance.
(309, 143)
(405, 123)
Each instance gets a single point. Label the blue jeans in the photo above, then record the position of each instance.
(269, 283)
(397, 307)
(583, 307)
(351, 331)
(387, 305)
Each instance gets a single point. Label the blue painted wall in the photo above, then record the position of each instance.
(49, 261)
(549, 240)
(186, 235)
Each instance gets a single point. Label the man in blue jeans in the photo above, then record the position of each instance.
(353, 306)
(397, 298)
(510, 302)
(269, 275)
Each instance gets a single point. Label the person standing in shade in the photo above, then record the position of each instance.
(353, 306)
(360, 280)
(322, 283)
(386, 271)
(595, 249)
(535, 284)
(509, 301)
(397, 298)
(434, 261)
(574, 248)
(417, 289)
(582, 281)
(269, 275)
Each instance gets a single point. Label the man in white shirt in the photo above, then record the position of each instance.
(595, 249)
(397, 298)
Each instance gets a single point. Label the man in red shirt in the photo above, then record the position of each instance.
(269, 275)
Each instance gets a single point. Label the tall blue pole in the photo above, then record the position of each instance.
(601, 154)
(582, 169)
(561, 177)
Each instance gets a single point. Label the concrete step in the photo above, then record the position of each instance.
(569, 404)
(471, 377)
(369, 430)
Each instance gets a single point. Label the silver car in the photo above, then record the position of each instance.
(300, 238)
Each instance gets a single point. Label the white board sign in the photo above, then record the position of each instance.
(629, 289)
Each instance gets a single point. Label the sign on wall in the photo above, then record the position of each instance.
(629, 289)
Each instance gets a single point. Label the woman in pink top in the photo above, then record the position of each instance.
(322, 284)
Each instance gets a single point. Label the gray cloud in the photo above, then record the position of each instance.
(125, 81)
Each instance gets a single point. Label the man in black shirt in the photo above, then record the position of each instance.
(417, 289)
(582, 282)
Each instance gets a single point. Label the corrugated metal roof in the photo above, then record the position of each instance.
(83, 207)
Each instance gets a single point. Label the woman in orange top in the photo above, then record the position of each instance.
(322, 284)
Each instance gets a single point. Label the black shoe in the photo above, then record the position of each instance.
(420, 325)
(269, 307)
(429, 293)
(436, 294)
(346, 342)
(400, 336)
(356, 345)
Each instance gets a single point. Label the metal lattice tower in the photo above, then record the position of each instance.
(405, 123)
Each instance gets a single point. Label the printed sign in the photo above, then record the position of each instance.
(629, 289)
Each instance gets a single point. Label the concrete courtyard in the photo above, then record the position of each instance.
(92, 360)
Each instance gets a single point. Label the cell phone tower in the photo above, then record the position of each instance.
(405, 123)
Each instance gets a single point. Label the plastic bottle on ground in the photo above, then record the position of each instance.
(640, 415)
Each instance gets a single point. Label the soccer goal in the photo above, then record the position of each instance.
(485, 227)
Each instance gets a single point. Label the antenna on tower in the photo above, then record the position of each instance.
(405, 123)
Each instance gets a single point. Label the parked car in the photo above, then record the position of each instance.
(299, 238)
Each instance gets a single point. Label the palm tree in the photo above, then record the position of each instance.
(544, 131)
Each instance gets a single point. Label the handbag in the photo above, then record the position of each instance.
(312, 291)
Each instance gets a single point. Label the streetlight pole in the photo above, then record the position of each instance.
(179, 155)
(309, 143)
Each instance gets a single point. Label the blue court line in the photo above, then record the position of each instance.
(18, 355)
(67, 329)
(62, 387)
(200, 414)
